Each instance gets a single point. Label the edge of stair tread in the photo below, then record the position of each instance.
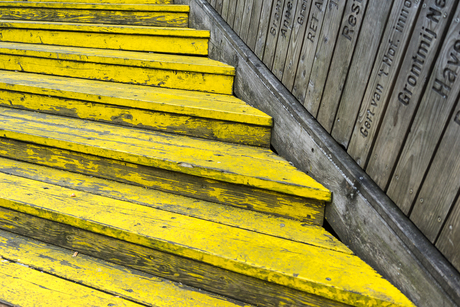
(239, 164)
(198, 104)
(173, 8)
(275, 226)
(103, 276)
(105, 28)
(244, 252)
(118, 57)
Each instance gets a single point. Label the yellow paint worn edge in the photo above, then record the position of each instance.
(23, 286)
(101, 275)
(223, 214)
(117, 57)
(169, 8)
(103, 1)
(104, 28)
(233, 163)
(337, 276)
(127, 95)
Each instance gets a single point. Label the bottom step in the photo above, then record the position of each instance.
(33, 273)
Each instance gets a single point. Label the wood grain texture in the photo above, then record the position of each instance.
(225, 8)
(449, 239)
(253, 28)
(274, 29)
(312, 94)
(263, 28)
(413, 76)
(231, 12)
(432, 116)
(239, 11)
(377, 15)
(344, 47)
(247, 19)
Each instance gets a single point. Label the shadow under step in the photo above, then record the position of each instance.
(159, 70)
(239, 175)
(204, 115)
(123, 14)
(118, 37)
(33, 273)
(255, 267)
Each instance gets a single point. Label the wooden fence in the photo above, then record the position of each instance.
(382, 78)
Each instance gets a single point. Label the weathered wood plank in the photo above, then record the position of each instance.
(169, 266)
(449, 239)
(285, 31)
(263, 28)
(218, 6)
(429, 123)
(274, 29)
(231, 12)
(377, 15)
(441, 186)
(311, 93)
(239, 12)
(225, 9)
(308, 52)
(341, 61)
(253, 28)
(295, 44)
(409, 88)
(246, 20)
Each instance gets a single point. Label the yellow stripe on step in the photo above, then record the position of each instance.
(333, 275)
(104, 276)
(98, 6)
(102, 1)
(236, 164)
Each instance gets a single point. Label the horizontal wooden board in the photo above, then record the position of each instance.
(244, 253)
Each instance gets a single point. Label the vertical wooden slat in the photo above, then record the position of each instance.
(449, 239)
(245, 24)
(225, 9)
(238, 16)
(263, 28)
(412, 79)
(310, 42)
(346, 42)
(218, 6)
(386, 66)
(284, 38)
(253, 27)
(295, 44)
(273, 32)
(231, 12)
(442, 183)
(432, 115)
(373, 27)
(323, 57)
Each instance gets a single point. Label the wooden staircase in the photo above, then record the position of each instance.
(130, 175)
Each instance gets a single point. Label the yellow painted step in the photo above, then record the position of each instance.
(197, 114)
(118, 37)
(116, 281)
(103, 1)
(226, 162)
(329, 274)
(159, 70)
(209, 211)
(128, 14)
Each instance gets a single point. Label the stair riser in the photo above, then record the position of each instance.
(176, 268)
(307, 210)
(168, 122)
(213, 83)
(146, 43)
(109, 16)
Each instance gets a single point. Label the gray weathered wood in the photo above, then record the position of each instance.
(441, 185)
(449, 240)
(308, 53)
(247, 16)
(231, 12)
(263, 28)
(323, 57)
(425, 132)
(274, 28)
(253, 28)
(218, 6)
(239, 11)
(413, 76)
(364, 217)
(361, 67)
(284, 38)
(295, 44)
(346, 42)
(225, 9)
(386, 66)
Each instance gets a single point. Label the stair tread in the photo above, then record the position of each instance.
(117, 57)
(121, 29)
(300, 266)
(222, 214)
(101, 6)
(100, 275)
(226, 162)
(191, 103)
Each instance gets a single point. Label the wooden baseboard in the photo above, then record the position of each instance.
(363, 216)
